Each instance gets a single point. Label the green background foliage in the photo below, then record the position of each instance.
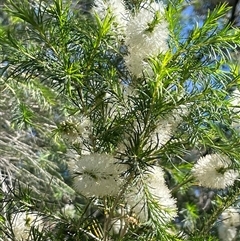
(60, 65)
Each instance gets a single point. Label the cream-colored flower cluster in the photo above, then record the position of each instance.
(137, 196)
(69, 210)
(116, 8)
(167, 126)
(228, 227)
(146, 36)
(102, 175)
(72, 128)
(22, 222)
(76, 130)
(145, 32)
(215, 171)
(97, 175)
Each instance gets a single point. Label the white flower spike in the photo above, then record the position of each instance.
(136, 197)
(146, 36)
(214, 171)
(97, 175)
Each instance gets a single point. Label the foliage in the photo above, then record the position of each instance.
(68, 96)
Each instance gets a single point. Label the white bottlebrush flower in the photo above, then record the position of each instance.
(214, 171)
(155, 183)
(226, 233)
(227, 228)
(167, 126)
(116, 8)
(97, 175)
(162, 134)
(231, 217)
(69, 210)
(22, 223)
(74, 130)
(146, 36)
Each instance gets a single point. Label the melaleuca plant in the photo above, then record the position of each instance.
(124, 127)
